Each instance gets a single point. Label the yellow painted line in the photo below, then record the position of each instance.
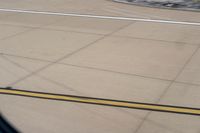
(99, 101)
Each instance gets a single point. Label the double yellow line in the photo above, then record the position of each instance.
(99, 101)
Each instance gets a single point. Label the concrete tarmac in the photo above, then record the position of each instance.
(139, 61)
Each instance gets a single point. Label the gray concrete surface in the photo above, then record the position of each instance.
(116, 59)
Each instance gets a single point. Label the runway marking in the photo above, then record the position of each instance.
(100, 101)
(100, 16)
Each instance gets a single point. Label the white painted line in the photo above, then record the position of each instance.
(101, 17)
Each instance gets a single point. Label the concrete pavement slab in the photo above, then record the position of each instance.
(30, 20)
(191, 73)
(10, 72)
(88, 25)
(167, 32)
(46, 44)
(135, 56)
(9, 31)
